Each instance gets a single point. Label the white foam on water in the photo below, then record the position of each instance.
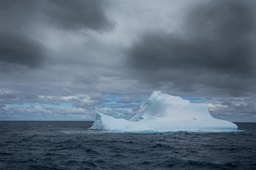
(166, 113)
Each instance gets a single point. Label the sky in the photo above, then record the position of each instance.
(66, 60)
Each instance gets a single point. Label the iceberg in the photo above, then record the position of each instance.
(165, 113)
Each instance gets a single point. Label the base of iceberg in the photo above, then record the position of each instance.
(166, 113)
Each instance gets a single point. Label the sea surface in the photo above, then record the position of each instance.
(71, 145)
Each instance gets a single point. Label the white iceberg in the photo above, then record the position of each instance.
(165, 113)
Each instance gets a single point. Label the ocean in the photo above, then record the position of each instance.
(43, 145)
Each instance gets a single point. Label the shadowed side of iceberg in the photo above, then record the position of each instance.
(105, 122)
(165, 113)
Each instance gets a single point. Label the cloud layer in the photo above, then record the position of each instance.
(215, 49)
(61, 51)
(21, 21)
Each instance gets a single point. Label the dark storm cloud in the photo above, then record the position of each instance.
(78, 14)
(20, 49)
(20, 23)
(216, 49)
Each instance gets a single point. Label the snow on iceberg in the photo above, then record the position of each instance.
(165, 113)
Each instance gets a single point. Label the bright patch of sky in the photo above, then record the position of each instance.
(119, 106)
(43, 105)
(196, 99)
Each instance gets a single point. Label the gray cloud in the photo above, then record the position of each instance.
(60, 51)
(75, 15)
(21, 22)
(64, 14)
(239, 108)
(20, 49)
(215, 49)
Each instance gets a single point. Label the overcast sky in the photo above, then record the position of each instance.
(63, 58)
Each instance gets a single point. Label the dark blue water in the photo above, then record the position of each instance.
(70, 145)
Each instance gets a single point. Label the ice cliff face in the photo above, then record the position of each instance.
(164, 113)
